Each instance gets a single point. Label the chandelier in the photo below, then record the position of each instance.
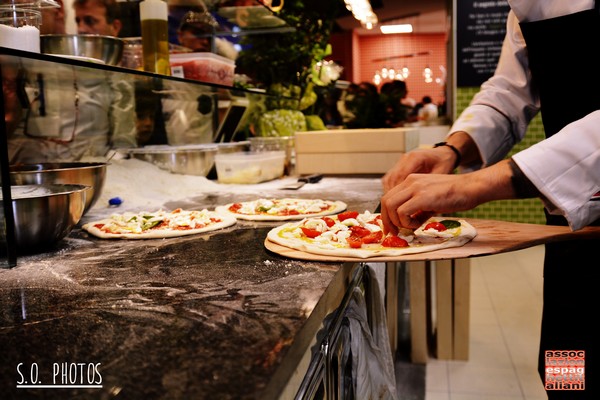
(390, 73)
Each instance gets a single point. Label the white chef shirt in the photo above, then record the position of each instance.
(499, 114)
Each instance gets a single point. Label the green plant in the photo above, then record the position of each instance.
(282, 63)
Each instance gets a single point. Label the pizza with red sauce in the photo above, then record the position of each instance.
(352, 234)
(281, 209)
(158, 224)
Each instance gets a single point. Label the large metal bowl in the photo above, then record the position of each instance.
(43, 214)
(91, 174)
(188, 160)
(108, 49)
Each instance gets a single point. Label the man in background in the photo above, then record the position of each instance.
(99, 17)
(195, 32)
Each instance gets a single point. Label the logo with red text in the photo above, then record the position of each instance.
(565, 370)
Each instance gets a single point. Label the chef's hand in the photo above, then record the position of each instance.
(436, 161)
(439, 160)
(420, 196)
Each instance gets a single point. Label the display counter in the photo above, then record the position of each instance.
(207, 316)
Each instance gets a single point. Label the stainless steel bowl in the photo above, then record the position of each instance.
(187, 160)
(109, 49)
(91, 174)
(44, 214)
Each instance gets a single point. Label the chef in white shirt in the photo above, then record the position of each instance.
(548, 55)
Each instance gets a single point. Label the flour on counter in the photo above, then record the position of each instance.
(142, 186)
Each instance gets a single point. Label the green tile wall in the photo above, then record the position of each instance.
(528, 210)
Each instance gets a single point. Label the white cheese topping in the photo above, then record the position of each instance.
(130, 222)
(283, 206)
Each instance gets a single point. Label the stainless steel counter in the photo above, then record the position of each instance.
(209, 316)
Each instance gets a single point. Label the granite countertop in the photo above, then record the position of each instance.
(209, 316)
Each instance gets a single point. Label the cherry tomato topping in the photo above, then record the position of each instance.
(394, 241)
(347, 214)
(438, 226)
(311, 233)
(329, 221)
(234, 207)
(354, 241)
(359, 231)
(373, 237)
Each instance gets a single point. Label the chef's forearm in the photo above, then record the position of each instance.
(466, 146)
(499, 182)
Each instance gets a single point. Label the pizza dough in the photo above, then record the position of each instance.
(281, 209)
(159, 224)
(333, 241)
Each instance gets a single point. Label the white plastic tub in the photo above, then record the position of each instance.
(249, 167)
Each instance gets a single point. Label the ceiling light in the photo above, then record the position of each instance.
(362, 11)
(399, 28)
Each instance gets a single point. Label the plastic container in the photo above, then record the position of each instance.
(205, 67)
(249, 167)
(275, 143)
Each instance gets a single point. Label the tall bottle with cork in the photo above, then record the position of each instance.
(154, 16)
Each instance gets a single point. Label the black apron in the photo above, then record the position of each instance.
(563, 56)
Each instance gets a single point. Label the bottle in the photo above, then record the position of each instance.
(155, 37)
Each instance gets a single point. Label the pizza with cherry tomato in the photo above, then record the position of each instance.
(281, 209)
(352, 234)
(158, 224)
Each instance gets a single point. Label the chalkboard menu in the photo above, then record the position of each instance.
(480, 29)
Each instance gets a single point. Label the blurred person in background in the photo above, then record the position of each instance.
(428, 114)
(366, 108)
(196, 32)
(328, 107)
(392, 94)
(100, 17)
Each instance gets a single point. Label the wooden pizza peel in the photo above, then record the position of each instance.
(493, 237)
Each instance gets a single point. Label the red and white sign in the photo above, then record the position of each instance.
(564, 370)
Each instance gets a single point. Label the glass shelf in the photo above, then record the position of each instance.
(225, 19)
(46, 63)
(61, 101)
